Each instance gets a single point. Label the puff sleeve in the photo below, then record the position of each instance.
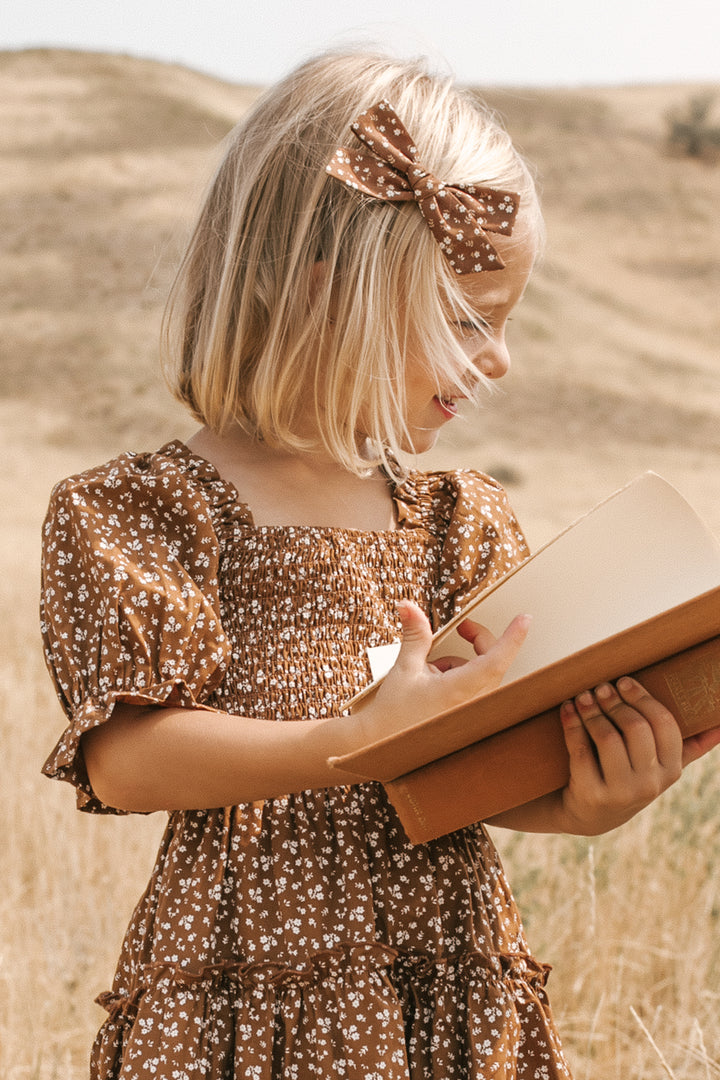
(482, 540)
(129, 606)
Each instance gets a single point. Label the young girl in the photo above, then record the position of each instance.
(348, 282)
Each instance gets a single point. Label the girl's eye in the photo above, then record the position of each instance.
(473, 326)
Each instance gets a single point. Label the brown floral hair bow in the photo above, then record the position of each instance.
(458, 215)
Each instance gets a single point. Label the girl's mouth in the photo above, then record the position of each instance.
(447, 406)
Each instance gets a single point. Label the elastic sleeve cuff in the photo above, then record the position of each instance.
(66, 762)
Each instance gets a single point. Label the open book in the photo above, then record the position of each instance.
(631, 583)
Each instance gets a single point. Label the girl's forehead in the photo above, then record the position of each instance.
(502, 288)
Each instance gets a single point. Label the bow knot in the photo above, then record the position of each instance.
(424, 184)
(458, 215)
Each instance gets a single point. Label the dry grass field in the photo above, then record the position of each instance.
(616, 370)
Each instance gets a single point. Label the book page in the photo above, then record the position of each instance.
(637, 553)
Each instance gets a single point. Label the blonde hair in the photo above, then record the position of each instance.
(296, 292)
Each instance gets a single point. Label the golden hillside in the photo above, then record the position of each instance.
(616, 363)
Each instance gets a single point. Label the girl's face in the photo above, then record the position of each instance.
(493, 296)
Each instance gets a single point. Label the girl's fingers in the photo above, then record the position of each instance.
(580, 747)
(494, 655)
(616, 751)
(631, 729)
(486, 670)
(491, 662)
(665, 729)
(416, 689)
(508, 645)
(625, 749)
(623, 737)
(484, 641)
(479, 636)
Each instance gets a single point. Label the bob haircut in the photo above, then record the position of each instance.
(299, 299)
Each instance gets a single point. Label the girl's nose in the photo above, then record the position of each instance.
(493, 360)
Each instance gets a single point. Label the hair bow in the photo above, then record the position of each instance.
(458, 215)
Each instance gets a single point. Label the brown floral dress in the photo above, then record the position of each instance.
(303, 937)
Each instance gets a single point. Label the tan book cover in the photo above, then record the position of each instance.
(634, 581)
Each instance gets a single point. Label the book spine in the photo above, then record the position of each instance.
(530, 759)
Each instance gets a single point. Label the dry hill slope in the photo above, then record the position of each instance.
(616, 355)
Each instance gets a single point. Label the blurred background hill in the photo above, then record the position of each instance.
(616, 360)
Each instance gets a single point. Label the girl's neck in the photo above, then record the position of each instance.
(284, 488)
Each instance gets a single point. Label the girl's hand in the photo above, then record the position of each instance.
(415, 689)
(625, 749)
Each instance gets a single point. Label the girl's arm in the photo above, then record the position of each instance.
(625, 749)
(158, 758)
(153, 758)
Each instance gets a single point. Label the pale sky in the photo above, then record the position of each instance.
(510, 42)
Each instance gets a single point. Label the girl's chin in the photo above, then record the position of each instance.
(422, 441)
